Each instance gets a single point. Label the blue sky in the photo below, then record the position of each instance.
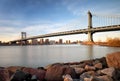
(46, 16)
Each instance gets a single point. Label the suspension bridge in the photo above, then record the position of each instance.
(107, 23)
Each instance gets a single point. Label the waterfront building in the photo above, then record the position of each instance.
(68, 41)
(52, 42)
(41, 41)
(34, 42)
(60, 41)
(46, 41)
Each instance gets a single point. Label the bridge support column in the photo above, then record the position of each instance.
(90, 34)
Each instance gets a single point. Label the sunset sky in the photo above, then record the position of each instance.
(36, 17)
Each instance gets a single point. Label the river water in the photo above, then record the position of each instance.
(42, 55)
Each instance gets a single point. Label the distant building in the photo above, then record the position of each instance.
(56, 42)
(34, 42)
(27, 42)
(60, 41)
(68, 42)
(41, 41)
(0, 42)
(46, 41)
(51, 42)
(78, 41)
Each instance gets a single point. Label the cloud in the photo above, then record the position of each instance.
(13, 30)
(81, 7)
(6, 29)
(51, 27)
(44, 28)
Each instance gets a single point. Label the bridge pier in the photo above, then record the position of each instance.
(90, 34)
(90, 37)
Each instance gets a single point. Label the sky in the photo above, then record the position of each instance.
(36, 17)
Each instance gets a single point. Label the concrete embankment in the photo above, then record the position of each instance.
(100, 69)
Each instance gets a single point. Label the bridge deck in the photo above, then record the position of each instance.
(93, 30)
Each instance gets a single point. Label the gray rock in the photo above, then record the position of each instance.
(108, 71)
(105, 78)
(79, 70)
(89, 68)
(98, 66)
(18, 76)
(4, 75)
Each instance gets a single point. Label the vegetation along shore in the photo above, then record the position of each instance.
(112, 42)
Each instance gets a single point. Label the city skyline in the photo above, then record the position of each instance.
(38, 17)
(43, 41)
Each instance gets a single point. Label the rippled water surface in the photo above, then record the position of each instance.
(34, 56)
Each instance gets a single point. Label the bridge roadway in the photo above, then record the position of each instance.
(79, 31)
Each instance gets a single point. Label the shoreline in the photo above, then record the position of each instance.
(99, 44)
(103, 69)
(82, 43)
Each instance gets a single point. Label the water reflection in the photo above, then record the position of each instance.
(35, 56)
(24, 55)
(90, 51)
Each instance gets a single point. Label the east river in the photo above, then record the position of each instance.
(42, 55)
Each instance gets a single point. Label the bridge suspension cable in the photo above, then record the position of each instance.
(72, 25)
(105, 20)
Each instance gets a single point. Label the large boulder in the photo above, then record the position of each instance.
(56, 71)
(67, 78)
(81, 65)
(70, 71)
(109, 71)
(113, 59)
(79, 70)
(99, 78)
(12, 69)
(18, 76)
(103, 61)
(116, 76)
(39, 73)
(87, 75)
(89, 68)
(92, 79)
(2, 67)
(4, 75)
(98, 65)
(105, 78)
(87, 62)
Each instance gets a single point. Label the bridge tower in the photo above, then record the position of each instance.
(90, 37)
(23, 36)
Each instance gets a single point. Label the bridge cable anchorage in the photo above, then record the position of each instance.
(105, 20)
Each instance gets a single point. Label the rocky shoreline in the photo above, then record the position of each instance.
(101, 69)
